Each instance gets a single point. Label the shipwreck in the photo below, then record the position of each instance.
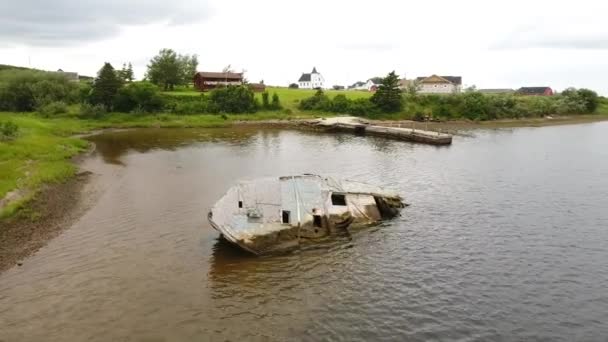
(279, 214)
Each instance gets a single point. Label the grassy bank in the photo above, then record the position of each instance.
(39, 155)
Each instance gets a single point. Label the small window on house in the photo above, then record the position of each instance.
(338, 199)
(316, 220)
(286, 215)
(240, 204)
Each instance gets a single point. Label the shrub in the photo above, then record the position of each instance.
(8, 131)
(265, 100)
(233, 99)
(191, 107)
(361, 107)
(340, 104)
(475, 106)
(53, 108)
(140, 96)
(26, 90)
(588, 99)
(276, 103)
(294, 86)
(89, 111)
(319, 101)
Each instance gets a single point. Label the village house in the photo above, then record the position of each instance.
(371, 85)
(311, 80)
(205, 80)
(435, 84)
(535, 91)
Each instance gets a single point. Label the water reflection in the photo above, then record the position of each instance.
(505, 240)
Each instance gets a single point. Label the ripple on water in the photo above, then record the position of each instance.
(504, 240)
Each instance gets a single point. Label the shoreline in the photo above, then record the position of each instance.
(56, 207)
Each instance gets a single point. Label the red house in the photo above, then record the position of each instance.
(535, 91)
(205, 80)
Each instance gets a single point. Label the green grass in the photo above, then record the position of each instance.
(39, 155)
(290, 98)
(41, 152)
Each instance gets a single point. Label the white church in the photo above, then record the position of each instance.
(312, 80)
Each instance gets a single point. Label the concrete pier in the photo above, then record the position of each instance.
(362, 127)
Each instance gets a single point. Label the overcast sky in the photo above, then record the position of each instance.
(490, 44)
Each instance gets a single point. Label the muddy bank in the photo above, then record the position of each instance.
(55, 208)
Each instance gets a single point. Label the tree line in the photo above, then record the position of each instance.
(390, 99)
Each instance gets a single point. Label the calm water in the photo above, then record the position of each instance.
(506, 239)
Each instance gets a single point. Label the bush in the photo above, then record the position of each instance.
(53, 108)
(265, 100)
(89, 111)
(8, 131)
(200, 106)
(361, 107)
(581, 100)
(319, 101)
(140, 96)
(276, 103)
(294, 86)
(340, 104)
(26, 90)
(233, 99)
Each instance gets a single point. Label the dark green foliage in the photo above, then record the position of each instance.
(8, 131)
(142, 97)
(184, 105)
(577, 98)
(265, 100)
(233, 99)
(89, 111)
(276, 103)
(319, 101)
(340, 104)
(294, 86)
(53, 108)
(106, 87)
(362, 107)
(388, 96)
(26, 90)
(475, 106)
(168, 69)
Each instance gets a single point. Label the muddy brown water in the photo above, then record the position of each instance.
(506, 239)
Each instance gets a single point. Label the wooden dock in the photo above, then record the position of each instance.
(361, 127)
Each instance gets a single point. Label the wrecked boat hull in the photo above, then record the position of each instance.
(278, 214)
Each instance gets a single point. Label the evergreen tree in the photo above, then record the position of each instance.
(265, 100)
(122, 74)
(388, 96)
(129, 74)
(106, 87)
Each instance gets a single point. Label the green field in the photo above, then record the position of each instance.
(289, 97)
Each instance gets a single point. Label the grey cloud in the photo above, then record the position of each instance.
(64, 22)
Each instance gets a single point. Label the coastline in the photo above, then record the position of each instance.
(55, 206)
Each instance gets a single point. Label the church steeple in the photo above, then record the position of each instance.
(314, 70)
